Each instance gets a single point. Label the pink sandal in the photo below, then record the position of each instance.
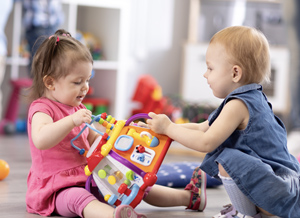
(126, 211)
(197, 186)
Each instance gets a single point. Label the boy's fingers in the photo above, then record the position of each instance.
(142, 124)
(151, 114)
(149, 121)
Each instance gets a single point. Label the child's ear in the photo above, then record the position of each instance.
(237, 73)
(48, 82)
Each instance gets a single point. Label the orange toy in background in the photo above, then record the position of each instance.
(149, 94)
(4, 169)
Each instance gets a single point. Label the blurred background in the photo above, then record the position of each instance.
(149, 55)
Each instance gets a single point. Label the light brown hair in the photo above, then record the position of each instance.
(247, 48)
(55, 57)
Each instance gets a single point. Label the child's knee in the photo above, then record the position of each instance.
(223, 171)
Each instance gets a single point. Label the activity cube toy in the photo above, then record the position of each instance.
(124, 161)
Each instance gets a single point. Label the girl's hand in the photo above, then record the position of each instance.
(159, 123)
(82, 116)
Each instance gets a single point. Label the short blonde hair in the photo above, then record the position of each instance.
(249, 49)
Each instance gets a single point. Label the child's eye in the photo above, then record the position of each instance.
(77, 83)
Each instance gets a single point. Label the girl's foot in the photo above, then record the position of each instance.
(126, 211)
(197, 186)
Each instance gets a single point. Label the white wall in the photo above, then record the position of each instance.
(162, 60)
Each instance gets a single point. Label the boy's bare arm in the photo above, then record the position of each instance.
(204, 140)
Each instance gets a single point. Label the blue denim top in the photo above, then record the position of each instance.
(264, 137)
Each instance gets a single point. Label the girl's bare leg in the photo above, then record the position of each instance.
(98, 209)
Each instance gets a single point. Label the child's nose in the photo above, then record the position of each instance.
(85, 86)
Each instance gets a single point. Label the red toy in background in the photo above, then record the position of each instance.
(149, 94)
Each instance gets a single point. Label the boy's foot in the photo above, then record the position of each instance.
(197, 186)
(230, 212)
(126, 211)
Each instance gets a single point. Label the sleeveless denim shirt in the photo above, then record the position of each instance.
(264, 138)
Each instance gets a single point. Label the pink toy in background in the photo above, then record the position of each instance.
(299, 158)
(7, 125)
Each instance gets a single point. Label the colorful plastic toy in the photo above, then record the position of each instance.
(124, 162)
(4, 169)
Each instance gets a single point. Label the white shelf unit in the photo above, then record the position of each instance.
(108, 21)
(194, 87)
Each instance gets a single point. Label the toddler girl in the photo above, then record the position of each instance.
(62, 69)
(246, 144)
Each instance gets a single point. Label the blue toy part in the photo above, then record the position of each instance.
(95, 118)
(113, 198)
(126, 200)
(141, 157)
(124, 143)
(154, 142)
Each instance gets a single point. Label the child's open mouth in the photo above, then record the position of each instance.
(80, 97)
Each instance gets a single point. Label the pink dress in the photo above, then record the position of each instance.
(58, 167)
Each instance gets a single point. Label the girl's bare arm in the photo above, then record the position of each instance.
(46, 134)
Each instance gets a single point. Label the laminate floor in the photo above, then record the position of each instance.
(15, 150)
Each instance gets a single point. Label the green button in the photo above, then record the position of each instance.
(127, 182)
(102, 174)
(130, 175)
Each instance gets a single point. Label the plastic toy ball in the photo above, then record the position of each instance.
(4, 169)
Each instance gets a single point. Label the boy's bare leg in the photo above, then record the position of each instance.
(162, 196)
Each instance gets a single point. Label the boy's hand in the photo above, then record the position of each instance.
(82, 116)
(142, 124)
(159, 123)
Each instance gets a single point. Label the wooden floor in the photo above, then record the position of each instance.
(15, 150)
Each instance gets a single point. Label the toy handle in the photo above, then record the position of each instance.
(137, 116)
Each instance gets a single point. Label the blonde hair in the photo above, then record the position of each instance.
(55, 56)
(249, 49)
